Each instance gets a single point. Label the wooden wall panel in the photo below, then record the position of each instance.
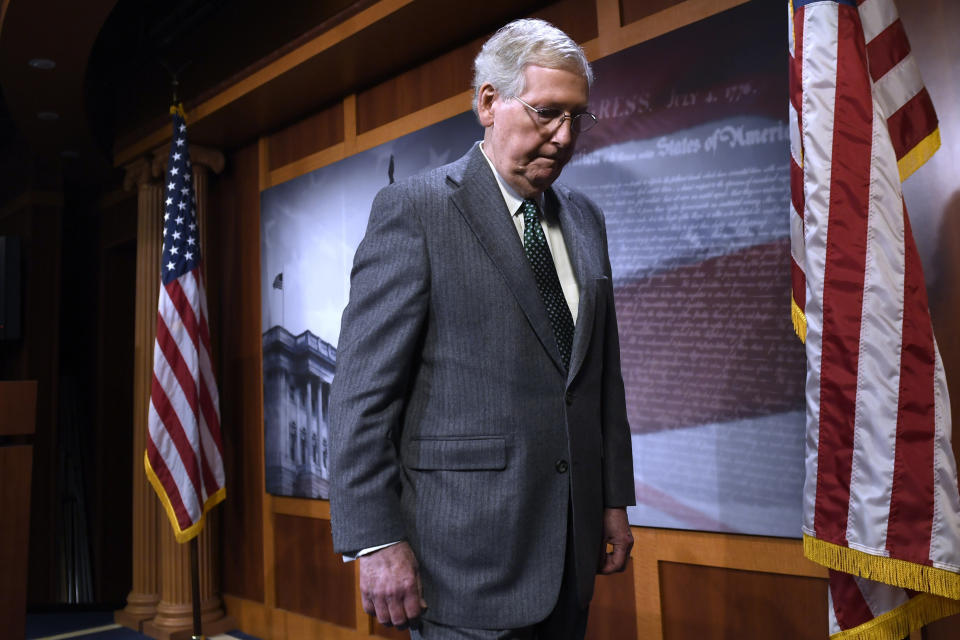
(633, 10)
(311, 578)
(321, 130)
(436, 80)
(15, 467)
(613, 611)
(714, 603)
(575, 17)
(233, 262)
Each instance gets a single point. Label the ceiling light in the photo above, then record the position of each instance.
(44, 64)
(48, 115)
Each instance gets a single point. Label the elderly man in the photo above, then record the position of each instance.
(481, 453)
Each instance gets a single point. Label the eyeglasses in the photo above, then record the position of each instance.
(548, 117)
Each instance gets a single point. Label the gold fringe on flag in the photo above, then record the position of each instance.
(799, 320)
(178, 108)
(900, 573)
(181, 535)
(915, 158)
(900, 622)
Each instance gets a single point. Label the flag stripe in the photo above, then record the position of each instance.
(879, 353)
(179, 440)
(848, 603)
(177, 365)
(887, 50)
(876, 16)
(819, 54)
(162, 472)
(912, 123)
(911, 508)
(843, 280)
(945, 542)
(898, 86)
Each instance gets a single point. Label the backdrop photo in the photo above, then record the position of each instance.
(689, 164)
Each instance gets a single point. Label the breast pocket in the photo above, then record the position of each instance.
(477, 453)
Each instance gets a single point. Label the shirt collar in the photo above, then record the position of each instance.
(510, 197)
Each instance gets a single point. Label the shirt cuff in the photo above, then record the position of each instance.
(350, 558)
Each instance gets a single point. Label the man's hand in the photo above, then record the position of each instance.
(390, 585)
(616, 532)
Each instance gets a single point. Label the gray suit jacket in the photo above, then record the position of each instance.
(454, 424)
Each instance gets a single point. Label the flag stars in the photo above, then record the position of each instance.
(176, 235)
(188, 255)
(174, 249)
(170, 266)
(171, 186)
(169, 202)
(181, 205)
(179, 220)
(183, 128)
(190, 240)
(180, 142)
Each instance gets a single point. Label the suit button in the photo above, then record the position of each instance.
(568, 397)
(561, 466)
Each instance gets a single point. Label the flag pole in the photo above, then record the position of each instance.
(194, 545)
(195, 582)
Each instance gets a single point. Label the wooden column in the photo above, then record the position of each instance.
(174, 617)
(143, 598)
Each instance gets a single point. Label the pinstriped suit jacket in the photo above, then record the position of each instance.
(454, 424)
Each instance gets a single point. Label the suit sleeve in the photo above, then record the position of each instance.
(379, 334)
(618, 482)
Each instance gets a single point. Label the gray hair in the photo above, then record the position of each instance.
(510, 50)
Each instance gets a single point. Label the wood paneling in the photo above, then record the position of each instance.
(319, 131)
(713, 603)
(613, 611)
(15, 464)
(633, 10)
(429, 83)
(18, 406)
(311, 579)
(234, 218)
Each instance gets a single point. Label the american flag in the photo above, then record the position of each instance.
(184, 458)
(881, 507)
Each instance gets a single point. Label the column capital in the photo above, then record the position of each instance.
(200, 156)
(138, 173)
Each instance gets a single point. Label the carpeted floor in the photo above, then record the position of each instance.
(93, 625)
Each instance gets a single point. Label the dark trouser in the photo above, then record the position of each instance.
(567, 621)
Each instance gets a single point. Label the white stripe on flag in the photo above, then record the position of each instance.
(178, 401)
(795, 148)
(898, 86)
(881, 339)
(880, 597)
(875, 16)
(819, 64)
(171, 458)
(796, 239)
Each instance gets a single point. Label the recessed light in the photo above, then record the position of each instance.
(42, 63)
(48, 115)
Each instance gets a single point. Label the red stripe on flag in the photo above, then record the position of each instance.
(209, 481)
(843, 279)
(887, 50)
(912, 122)
(849, 605)
(796, 187)
(170, 487)
(795, 69)
(798, 284)
(187, 317)
(173, 427)
(911, 502)
(171, 351)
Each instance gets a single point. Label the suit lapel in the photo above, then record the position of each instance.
(574, 236)
(477, 197)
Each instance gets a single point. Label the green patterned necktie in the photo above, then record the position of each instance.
(548, 283)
